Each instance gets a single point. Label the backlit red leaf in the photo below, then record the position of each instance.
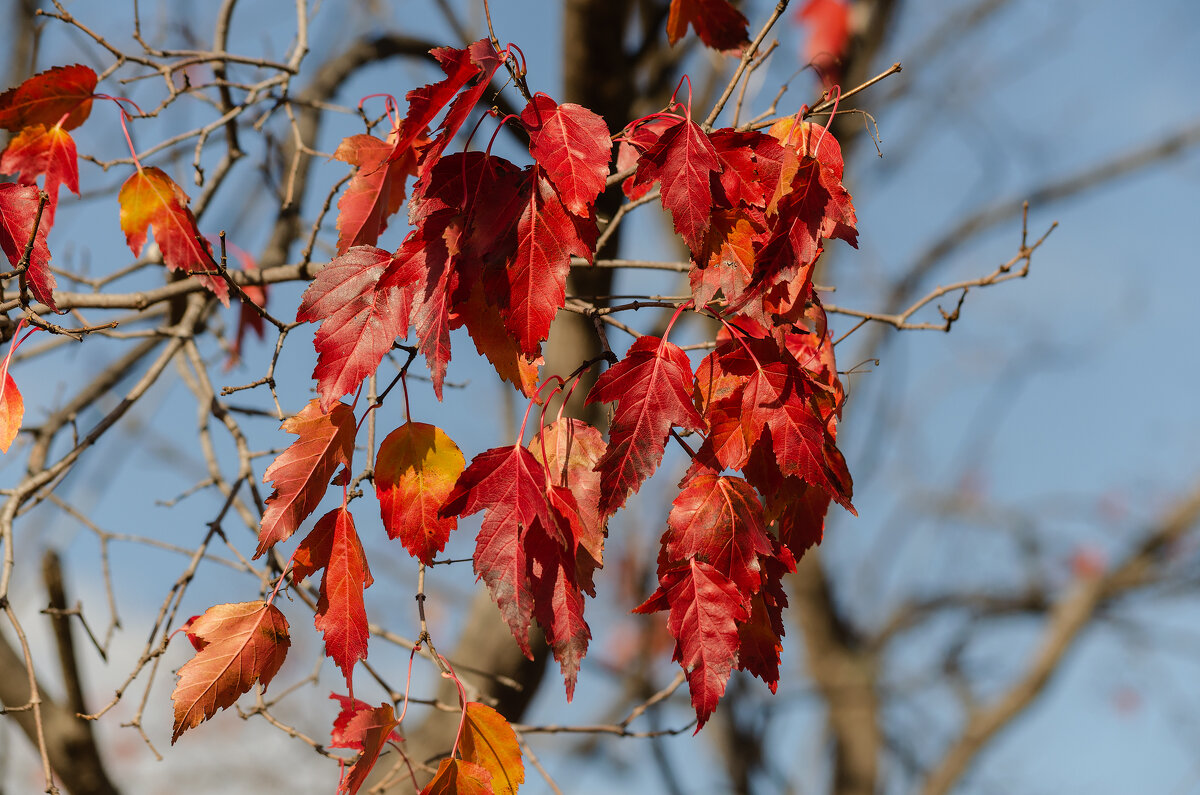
(41, 150)
(572, 146)
(509, 484)
(652, 387)
(18, 212)
(718, 24)
(341, 615)
(368, 729)
(415, 471)
(376, 191)
(151, 200)
(706, 608)
(244, 643)
(486, 327)
(683, 161)
(48, 96)
(362, 300)
(301, 473)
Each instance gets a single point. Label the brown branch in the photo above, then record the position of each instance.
(1066, 620)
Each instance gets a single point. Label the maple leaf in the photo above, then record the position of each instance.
(718, 24)
(726, 261)
(760, 637)
(362, 300)
(557, 599)
(537, 275)
(151, 200)
(12, 410)
(38, 150)
(651, 386)
(509, 484)
(341, 615)
(485, 325)
(47, 97)
(415, 471)
(633, 144)
(718, 519)
(243, 643)
(367, 729)
(828, 23)
(683, 161)
(573, 147)
(776, 405)
(301, 473)
(18, 212)
(376, 191)
(705, 610)
(488, 741)
(459, 777)
(570, 450)
(424, 104)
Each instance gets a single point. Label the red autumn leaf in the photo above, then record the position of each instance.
(12, 410)
(301, 473)
(652, 387)
(572, 146)
(415, 471)
(509, 484)
(706, 608)
(48, 96)
(488, 741)
(477, 63)
(570, 449)
(362, 300)
(459, 777)
(760, 636)
(718, 519)
(151, 200)
(248, 318)
(557, 598)
(726, 262)
(38, 150)
(718, 24)
(776, 405)
(752, 166)
(486, 327)
(18, 212)
(425, 250)
(537, 274)
(684, 162)
(243, 643)
(633, 144)
(828, 23)
(376, 191)
(367, 729)
(341, 615)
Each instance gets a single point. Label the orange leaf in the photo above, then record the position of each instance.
(376, 191)
(414, 473)
(301, 473)
(12, 411)
(493, 340)
(243, 643)
(458, 777)
(488, 741)
(151, 199)
(46, 97)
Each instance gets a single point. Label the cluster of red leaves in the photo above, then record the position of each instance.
(491, 242)
(490, 248)
(40, 111)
